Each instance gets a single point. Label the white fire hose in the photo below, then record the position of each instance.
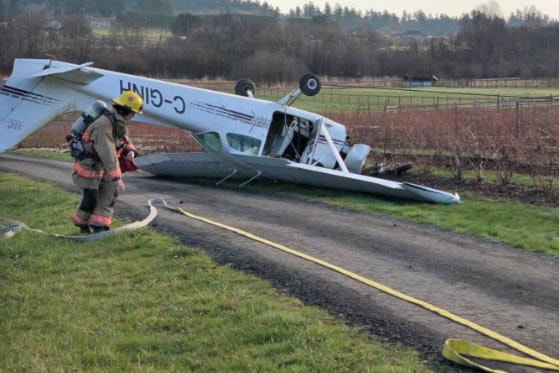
(8, 231)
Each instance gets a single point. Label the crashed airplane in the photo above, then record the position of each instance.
(243, 137)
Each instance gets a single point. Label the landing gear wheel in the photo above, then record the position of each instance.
(245, 87)
(309, 84)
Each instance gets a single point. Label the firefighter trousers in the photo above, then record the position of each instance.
(98, 198)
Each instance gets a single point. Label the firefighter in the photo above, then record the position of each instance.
(107, 154)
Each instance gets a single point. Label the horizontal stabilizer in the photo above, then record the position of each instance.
(71, 73)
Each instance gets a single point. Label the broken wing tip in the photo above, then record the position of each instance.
(431, 194)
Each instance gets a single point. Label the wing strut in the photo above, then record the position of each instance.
(227, 177)
(326, 134)
(258, 173)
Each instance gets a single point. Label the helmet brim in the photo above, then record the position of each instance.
(117, 102)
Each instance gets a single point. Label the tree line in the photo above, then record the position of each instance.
(274, 48)
(346, 17)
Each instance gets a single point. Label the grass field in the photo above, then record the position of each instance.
(143, 302)
(340, 99)
(148, 34)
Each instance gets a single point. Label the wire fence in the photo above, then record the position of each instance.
(523, 138)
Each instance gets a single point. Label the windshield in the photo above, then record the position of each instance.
(209, 140)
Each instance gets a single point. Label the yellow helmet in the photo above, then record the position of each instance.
(130, 100)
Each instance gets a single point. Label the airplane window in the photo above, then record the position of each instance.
(209, 140)
(244, 144)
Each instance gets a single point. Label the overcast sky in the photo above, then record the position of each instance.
(433, 7)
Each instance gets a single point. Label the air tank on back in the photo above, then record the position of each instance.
(93, 112)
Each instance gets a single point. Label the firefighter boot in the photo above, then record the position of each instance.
(100, 228)
(84, 228)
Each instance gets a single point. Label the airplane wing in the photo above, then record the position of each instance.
(246, 168)
(195, 164)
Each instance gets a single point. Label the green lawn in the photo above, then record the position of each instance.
(143, 302)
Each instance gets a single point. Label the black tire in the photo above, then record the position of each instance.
(243, 86)
(309, 84)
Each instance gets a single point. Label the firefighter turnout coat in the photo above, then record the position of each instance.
(97, 170)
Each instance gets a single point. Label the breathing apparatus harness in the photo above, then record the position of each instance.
(74, 138)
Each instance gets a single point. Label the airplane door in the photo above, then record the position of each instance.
(288, 136)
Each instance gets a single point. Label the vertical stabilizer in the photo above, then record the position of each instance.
(31, 97)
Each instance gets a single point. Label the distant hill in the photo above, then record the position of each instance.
(163, 12)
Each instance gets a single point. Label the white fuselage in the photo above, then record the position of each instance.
(228, 123)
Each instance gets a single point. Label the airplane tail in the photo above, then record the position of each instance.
(32, 96)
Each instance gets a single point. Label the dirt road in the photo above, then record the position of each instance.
(500, 287)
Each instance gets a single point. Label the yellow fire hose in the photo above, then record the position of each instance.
(453, 349)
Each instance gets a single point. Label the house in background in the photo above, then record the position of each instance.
(101, 22)
(414, 81)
